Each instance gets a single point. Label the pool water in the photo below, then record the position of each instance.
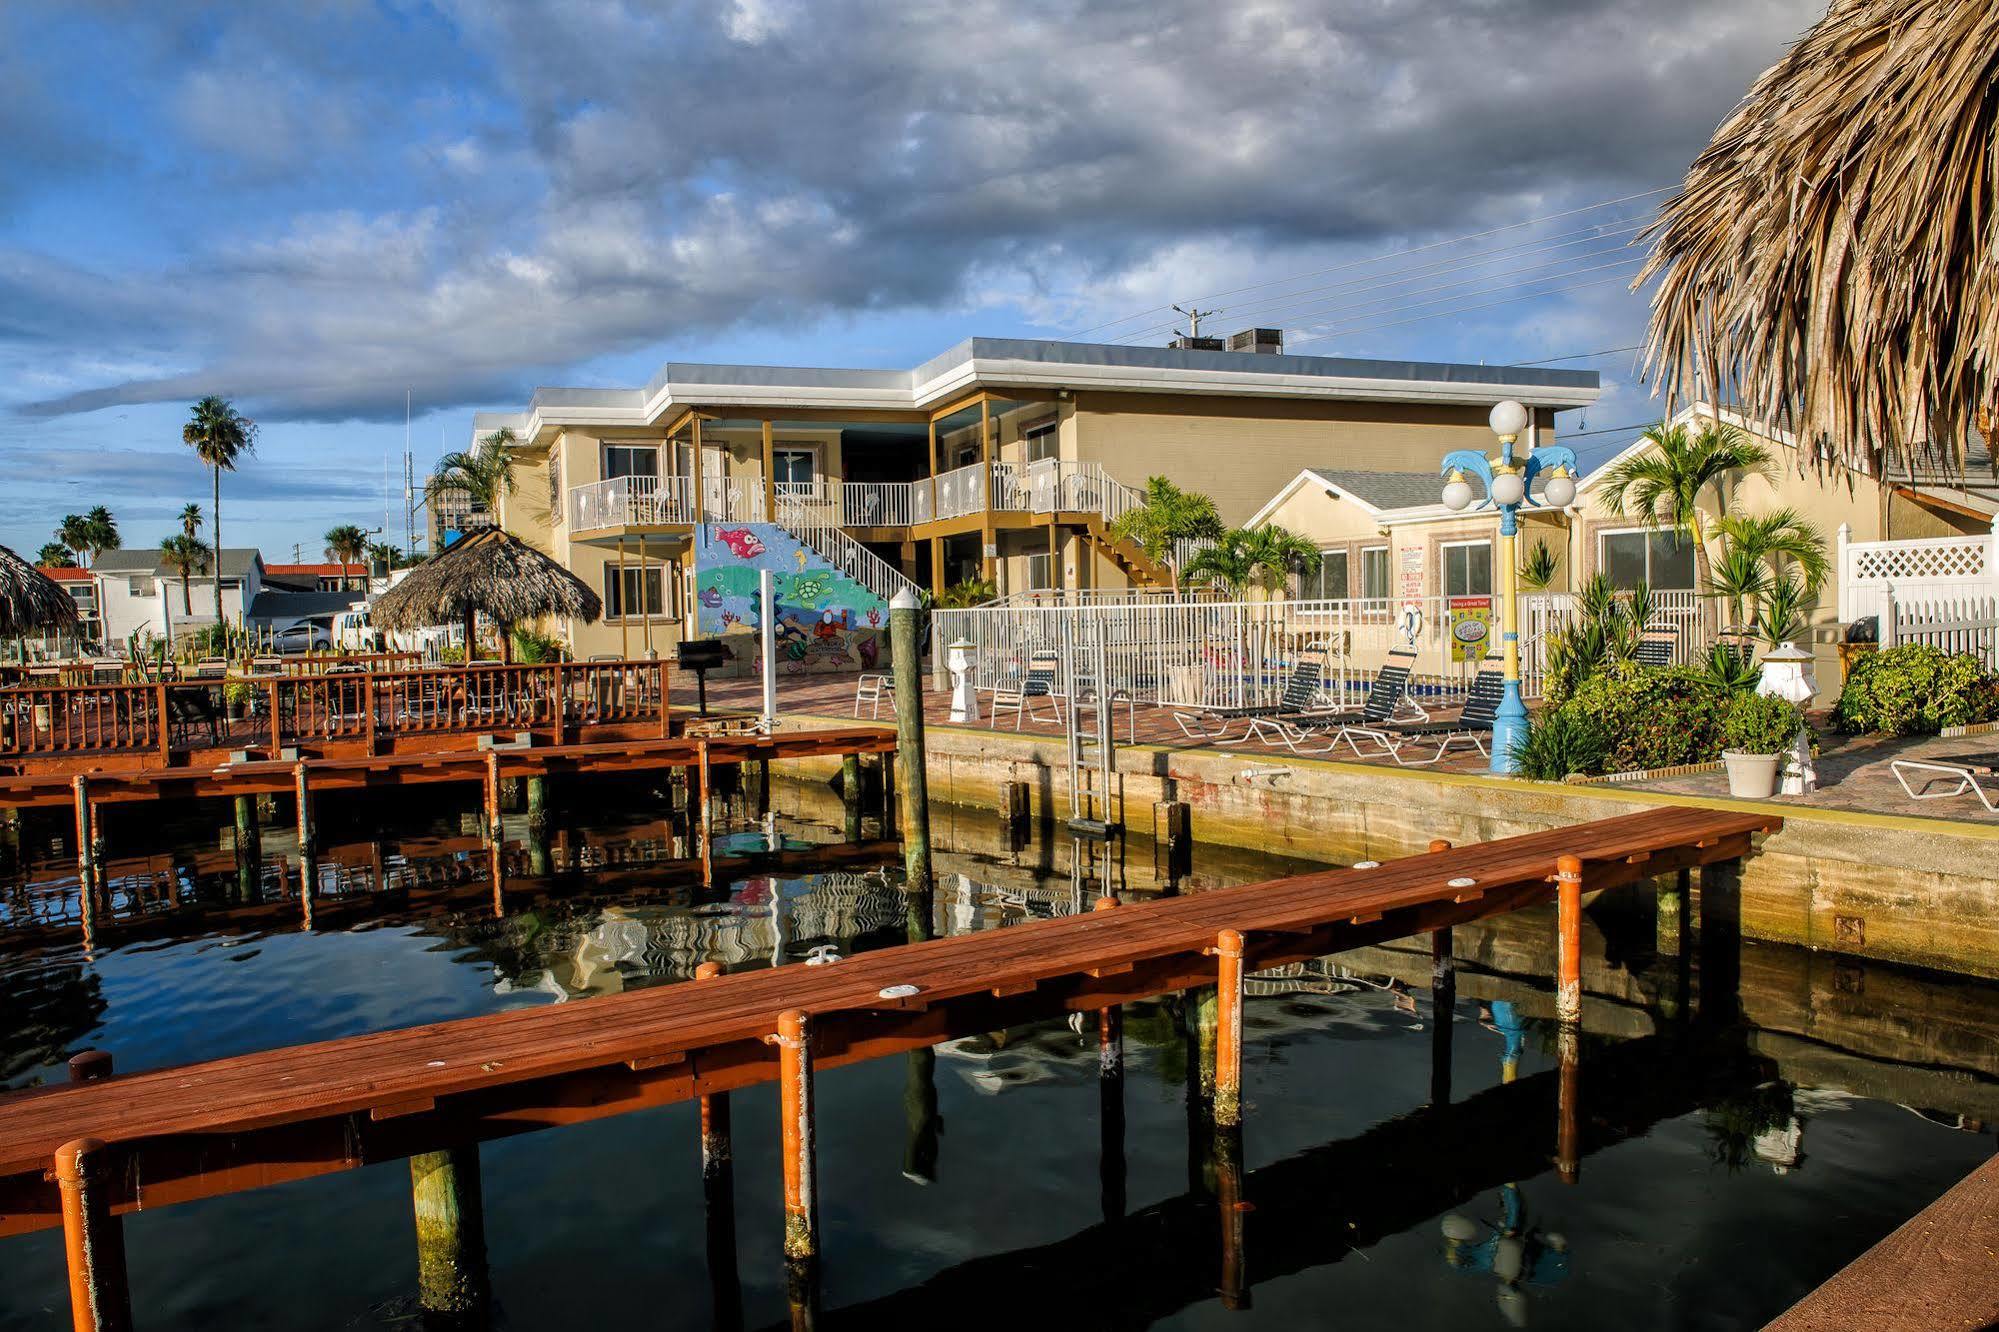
(1727, 1168)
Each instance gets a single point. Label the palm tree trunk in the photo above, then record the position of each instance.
(1703, 573)
(217, 515)
(186, 601)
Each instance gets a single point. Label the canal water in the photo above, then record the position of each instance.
(1730, 1164)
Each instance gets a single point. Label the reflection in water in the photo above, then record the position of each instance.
(1384, 1117)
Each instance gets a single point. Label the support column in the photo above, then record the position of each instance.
(850, 795)
(1721, 943)
(987, 533)
(797, 1127)
(1568, 1103)
(445, 1194)
(624, 609)
(1443, 1004)
(1204, 1023)
(249, 849)
(706, 795)
(1671, 909)
(86, 844)
(718, 1191)
(93, 1239)
(1228, 1028)
(936, 543)
(538, 859)
(922, 1125)
(1173, 822)
(1569, 939)
(1110, 1100)
(717, 1135)
(308, 870)
(906, 652)
(770, 474)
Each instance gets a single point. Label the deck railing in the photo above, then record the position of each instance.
(563, 700)
(663, 501)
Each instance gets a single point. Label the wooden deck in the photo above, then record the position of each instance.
(237, 1123)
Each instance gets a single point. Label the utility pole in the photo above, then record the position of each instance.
(1194, 318)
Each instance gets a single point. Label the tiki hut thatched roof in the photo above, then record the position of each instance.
(30, 601)
(489, 571)
(1831, 262)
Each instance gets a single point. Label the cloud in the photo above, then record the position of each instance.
(628, 175)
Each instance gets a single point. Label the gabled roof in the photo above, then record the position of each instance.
(327, 569)
(237, 562)
(281, 605)
(1378, 494)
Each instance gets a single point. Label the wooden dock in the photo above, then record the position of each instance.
(173, 1135)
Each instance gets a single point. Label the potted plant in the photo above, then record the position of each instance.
(1757, 731)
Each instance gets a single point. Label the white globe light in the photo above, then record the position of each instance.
(1508, 419)
(1508, 488)
(1560, 490)
(1457, 494)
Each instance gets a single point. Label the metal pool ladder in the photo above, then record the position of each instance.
(1092, 728)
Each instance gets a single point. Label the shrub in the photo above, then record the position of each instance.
(1562, 741)
(533, 647)
(1760, 724)
(1729, 670)
(1653, 717)
(1915, 689)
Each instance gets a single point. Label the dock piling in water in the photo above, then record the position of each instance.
(93, 1239)
(850, 795)
(445, 1193)
(1228, 1028)
(1110, 1098)
(798, 1131)
(308, 872)
(906, 652)
(249, 848)
(89, 1065)
(717, 1136)
(1569, 939)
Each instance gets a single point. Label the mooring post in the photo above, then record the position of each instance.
(1110, 1098)
(308, 872)
(537, 803)
(921, 1123)
(1234, 1285)
(93, 1239)
(1569, 939)
(249, 847)
(707, 795)
(905, 647)
(1671, 909)
(794, 1087)
(850, 795)
(1228, 1028)
(86, 845)
(89, 1065)
(1443, 1002)
(717, 1139)
(1174, 824)
(1719, 995)
(1015, 804)
(494, 826)
(1568, 1102)
(445, 1193)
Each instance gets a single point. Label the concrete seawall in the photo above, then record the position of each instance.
(1892, 887)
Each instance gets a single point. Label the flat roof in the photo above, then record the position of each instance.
(1000, 363)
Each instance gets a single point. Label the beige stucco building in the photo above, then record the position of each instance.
(1004, 459)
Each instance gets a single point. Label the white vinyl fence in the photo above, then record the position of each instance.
(1968, 625)
(1932, 571)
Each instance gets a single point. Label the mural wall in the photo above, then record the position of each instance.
(825, 620)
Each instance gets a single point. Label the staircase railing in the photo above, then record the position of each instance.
(816, 524)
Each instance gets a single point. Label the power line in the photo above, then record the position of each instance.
(1579, 356)
(1398, 254)
(1462, 309)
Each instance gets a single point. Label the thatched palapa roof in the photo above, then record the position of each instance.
(1831, 263)
(489, 571)
(30, 601)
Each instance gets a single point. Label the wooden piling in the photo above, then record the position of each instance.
(1443, 1002)
(249, 848)
(1569, 939)
(1670, 908)
(1568, 1102)
(1232, 1214)
(707, 831)
(86, 844)
(850, 795)
(1015, 805)
(1173, 839)
(1203, 1024)
(537, 804)
(906, 650)
(93, 1239)
(308, 872)
(922, 1125)
(89, 1065)
(494, 826)
(717, 1137)
(445, 1193)
(794, 1086)
(1228, 1028)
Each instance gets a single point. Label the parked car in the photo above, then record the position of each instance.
(309, 635)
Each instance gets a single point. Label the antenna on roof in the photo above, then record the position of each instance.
(1194, 318)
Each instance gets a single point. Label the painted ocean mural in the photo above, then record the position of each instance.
(825, 620)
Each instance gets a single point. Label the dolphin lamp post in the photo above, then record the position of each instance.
(1509, 484)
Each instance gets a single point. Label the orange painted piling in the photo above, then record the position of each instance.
(1568, 1103)
(1232, 1214)
(1569, 939)
(794, 1086)
(308, 871)
(93, 1239)
(493, 826)
(717, 1138)
(89, 1065)
(707, 826)
(1228, 1034)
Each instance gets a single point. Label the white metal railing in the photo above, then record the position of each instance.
(815, 521)
(1968, 625)
(653, 501)
(813, 503)
(1545, 614)
(1923, 571)
(884, 503)
(962, 492)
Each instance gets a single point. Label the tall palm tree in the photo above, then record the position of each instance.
(102, 530)
(346, 544)
(482, 475)
(1768, 560)
(219, 435)
(74, 532)
(1255, 557)
(1667, 483)
(1164, 517)
(185, 554)
(190, 520)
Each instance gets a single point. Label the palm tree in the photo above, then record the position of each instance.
(74, 532)
(482, 475)
(102, 530)
(55, 555)
(185, 554)
(1164, 517)
(1665, 483)
(219, 435)
(1255, 557)
(1772, 564)
(346, 544)
(190, 520)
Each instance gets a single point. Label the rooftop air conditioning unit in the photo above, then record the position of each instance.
(1185, 343)
(1264, 341)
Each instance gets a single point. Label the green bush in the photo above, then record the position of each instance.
(1914, 689)
(1560, 742)
(1760, 724)
(533, 647)
(1653, 717)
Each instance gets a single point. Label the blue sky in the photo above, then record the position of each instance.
(314, 207)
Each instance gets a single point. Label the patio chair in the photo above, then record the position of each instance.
(1210, 725)
(1387, 695)
(1471, 726)
(871, 688)
(1656, 645)
(1039, 682)
(191, 712)
(1965, 770)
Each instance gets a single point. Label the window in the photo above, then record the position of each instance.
(1467, 568)
(619, 594)
(1040, 572)
(630, 460)
(1662, 560)
(793, 465)
(1330, 583)
(1374, 573)
(1042, 441)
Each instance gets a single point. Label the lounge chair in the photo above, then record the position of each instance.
(1963, 769)
(1210, 725)
(1387, 695)
(1656, 646)
(1039, 682)
(1470, 727)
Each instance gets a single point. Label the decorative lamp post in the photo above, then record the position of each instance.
(964, 699)
(1509, 484)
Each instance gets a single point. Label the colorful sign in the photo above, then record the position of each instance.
(825, 620)
(1471, 628)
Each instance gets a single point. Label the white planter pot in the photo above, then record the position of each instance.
(1752, 776)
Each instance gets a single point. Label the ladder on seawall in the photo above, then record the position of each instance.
(1094, 803)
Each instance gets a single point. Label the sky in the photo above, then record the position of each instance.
(320, 207)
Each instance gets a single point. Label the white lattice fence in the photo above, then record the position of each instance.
(1927, 571)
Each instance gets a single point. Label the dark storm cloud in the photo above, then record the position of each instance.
(673, 169)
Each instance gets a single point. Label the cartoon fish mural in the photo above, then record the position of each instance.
(711, 597)
(742, 542)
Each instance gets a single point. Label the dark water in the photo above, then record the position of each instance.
(1728, 1168)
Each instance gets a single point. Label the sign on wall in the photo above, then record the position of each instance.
(1471, 628)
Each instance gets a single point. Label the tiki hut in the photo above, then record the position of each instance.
(489, 571)
(30, 601)
(1831, 262)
